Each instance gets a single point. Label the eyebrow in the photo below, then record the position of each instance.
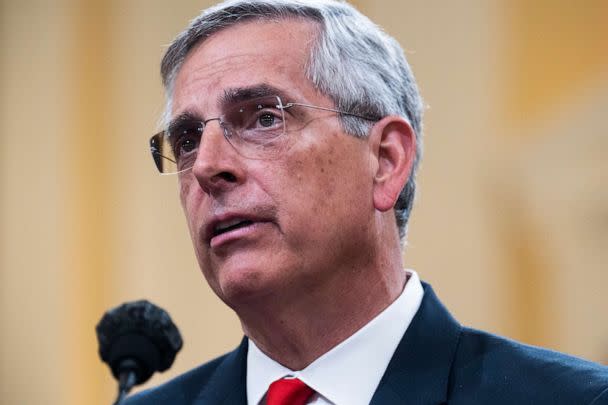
(238, 94)
(231, 96)
(186, 116)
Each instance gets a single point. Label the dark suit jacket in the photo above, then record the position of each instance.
(437, 362)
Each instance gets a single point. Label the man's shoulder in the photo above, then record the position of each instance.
(221, 380)
(488, 367)
(182, 389)
(440, 361)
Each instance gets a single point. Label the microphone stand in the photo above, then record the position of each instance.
(126, 380)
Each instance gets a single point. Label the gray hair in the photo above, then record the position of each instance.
(353, 62)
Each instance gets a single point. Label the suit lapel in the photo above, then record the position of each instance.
(419, 371)
(227, 385)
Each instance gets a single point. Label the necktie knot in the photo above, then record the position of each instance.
(288, 391)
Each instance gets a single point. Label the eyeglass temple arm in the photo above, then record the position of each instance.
(329, 109)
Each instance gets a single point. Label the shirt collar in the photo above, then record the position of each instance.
(350, 372)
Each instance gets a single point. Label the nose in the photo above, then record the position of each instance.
(217, 166)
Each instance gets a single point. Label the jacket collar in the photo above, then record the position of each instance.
(227, 384)
(419, 370)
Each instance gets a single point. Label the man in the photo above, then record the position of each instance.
(294, 128)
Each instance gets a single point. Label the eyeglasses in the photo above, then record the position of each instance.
(256, 128)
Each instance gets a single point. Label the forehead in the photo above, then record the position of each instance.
(249, 54)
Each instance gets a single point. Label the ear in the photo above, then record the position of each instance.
(394, 146)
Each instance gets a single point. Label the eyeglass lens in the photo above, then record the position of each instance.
(253, 127)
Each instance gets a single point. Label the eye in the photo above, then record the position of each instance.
(257, 121)
(266, 120)
(264, 117)
(256, 114)
(185, 137)
(186, 145)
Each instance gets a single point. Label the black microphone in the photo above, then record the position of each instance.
(135, 340)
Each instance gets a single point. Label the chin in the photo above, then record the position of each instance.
(244, 284)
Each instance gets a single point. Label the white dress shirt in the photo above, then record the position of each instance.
(350, 372)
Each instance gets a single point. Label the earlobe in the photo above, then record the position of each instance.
(394, 142)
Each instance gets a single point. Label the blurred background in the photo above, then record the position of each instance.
(511, 222)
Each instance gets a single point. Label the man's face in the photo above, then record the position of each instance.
(302, 218)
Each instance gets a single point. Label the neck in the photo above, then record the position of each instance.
(296, 329)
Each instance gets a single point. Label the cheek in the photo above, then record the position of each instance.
(312, 179)
(332, 178)
(192, 199)
(191, 205)
(328, 173)
(185, 199)
(321, 186)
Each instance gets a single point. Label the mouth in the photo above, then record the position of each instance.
(230, 225)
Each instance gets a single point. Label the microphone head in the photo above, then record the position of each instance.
(138, 336)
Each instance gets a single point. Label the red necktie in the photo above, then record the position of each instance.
(288, 391)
